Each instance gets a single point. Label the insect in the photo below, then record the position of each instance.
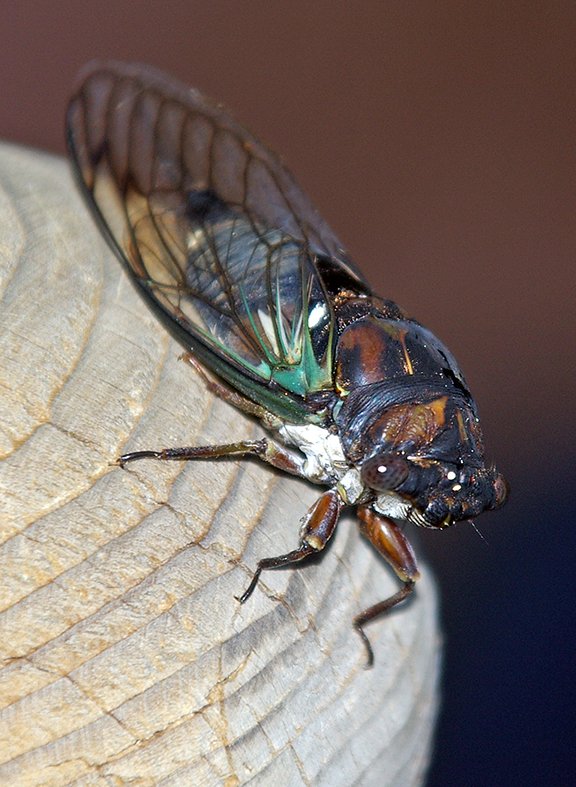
(236, 262)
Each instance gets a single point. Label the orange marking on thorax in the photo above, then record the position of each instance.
(407, 362)
(461, 427)
(418, 423)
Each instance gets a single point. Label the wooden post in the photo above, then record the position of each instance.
(125, 657)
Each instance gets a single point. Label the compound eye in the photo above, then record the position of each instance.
(501, 490)
(384, 471)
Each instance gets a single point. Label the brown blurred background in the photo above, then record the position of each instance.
(439, 140)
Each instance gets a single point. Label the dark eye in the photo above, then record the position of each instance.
(501, 490)
(384, 471)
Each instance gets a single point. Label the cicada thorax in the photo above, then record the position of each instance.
(403, 396)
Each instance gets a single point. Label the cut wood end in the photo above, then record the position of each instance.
(125, 655)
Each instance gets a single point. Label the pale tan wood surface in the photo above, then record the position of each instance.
(125, 657)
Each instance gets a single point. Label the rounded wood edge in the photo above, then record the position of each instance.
(125, 655)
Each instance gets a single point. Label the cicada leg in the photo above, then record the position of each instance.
(388, 539)
(318, 526)
(227, 394)
(266, 450)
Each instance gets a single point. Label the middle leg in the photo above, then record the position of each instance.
(319, 525)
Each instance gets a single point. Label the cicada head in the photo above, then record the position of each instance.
(421, 455)
(432, 493)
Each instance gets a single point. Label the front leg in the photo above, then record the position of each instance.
(387, 538)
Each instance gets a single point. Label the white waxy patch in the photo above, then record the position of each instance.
(350, 486)
(324, 455)
(391, 504)
(451, 475)
(317, 315)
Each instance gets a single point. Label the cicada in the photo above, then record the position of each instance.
(234, 259)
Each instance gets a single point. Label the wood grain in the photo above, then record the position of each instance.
(125, 658)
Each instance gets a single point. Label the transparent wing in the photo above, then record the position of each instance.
(214, 229)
